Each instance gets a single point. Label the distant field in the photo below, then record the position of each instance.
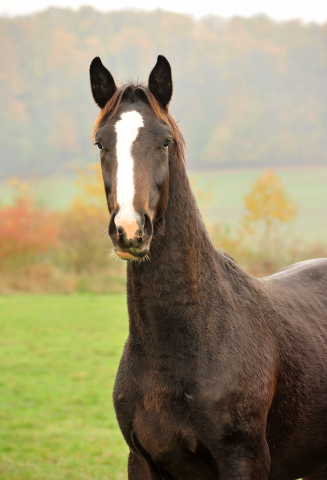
(307, 187)
(55, 192)
(59, 356)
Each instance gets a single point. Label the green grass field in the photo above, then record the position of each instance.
(59, 356)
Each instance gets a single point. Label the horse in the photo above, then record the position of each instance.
(223, 375)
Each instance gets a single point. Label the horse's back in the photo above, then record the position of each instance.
(308, 272)
(298, 296)
(314, 270)
(303, 282)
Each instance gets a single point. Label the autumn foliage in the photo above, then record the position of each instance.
(83, 227)
(268, 202)
(268, 206)
(259, 243)
(66, 251)
(26, 230)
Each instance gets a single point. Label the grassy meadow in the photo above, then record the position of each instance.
(59, 356)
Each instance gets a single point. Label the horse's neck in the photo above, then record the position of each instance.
(168, 293)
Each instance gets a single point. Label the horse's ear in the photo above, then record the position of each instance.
(160, 81)
(102, 83)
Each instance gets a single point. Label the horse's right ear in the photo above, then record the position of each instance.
(160, 81)
(102, 83)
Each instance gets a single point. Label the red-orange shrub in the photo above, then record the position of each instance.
(26, 229)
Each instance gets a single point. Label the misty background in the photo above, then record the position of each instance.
(248, 92)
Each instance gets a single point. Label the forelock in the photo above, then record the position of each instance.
(131, 93)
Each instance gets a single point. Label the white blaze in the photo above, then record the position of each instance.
(127, 129)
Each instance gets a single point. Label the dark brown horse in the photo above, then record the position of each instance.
(223, 376)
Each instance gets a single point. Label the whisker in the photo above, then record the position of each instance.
(113, 257)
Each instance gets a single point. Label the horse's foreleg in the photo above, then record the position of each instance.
(140, 469)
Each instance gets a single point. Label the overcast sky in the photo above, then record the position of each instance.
(306, 10)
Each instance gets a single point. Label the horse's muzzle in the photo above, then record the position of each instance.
(131, 238)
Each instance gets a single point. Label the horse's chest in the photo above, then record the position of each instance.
(161, 424)
(155, 417)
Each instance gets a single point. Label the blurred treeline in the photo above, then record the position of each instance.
(247, 91)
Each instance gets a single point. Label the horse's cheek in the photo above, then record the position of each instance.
(163, 200)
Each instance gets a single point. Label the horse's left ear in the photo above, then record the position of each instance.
(102, 83)
(160, 81)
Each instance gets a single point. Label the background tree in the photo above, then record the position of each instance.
(267, 205)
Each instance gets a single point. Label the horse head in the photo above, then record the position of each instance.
(137, 137)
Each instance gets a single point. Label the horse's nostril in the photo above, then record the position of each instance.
(120, 231)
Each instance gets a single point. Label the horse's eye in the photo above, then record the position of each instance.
(99, 145)
(167, 142)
